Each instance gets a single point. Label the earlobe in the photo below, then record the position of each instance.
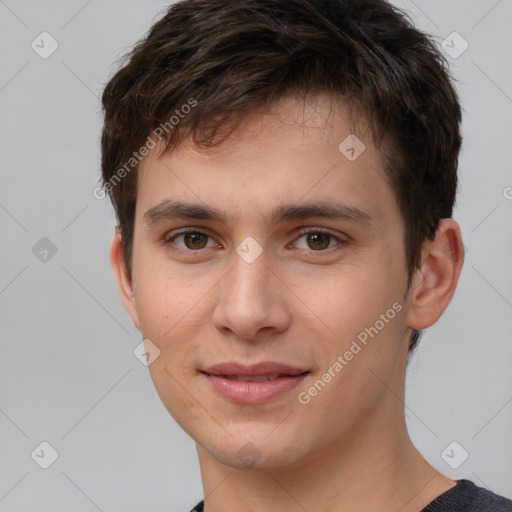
(435, 282)
(123, 279)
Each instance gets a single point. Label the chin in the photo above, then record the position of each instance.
(254, 451)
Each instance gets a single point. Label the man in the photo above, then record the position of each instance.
(283, 174)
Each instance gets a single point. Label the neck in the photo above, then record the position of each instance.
(373, 467)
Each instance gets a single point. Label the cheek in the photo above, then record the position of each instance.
(170, 318)
(162, 299)
(172, 386)
(173, 310)
(349, 300)
(359, 317)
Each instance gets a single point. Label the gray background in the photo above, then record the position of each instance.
(68, 375)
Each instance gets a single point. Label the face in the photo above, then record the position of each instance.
(283, 249)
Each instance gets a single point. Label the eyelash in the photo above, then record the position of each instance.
(168, 240)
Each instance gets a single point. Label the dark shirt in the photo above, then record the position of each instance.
(465, 496)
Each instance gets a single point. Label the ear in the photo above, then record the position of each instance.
(435, 282)
(123, 279)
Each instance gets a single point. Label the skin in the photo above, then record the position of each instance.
(302, 302)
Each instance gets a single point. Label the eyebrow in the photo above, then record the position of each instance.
(169, 210)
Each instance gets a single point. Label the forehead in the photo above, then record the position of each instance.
(294, 152)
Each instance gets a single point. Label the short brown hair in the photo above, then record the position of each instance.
(231, 57)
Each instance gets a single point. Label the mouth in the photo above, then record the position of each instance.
(255, 378)
(264, 371)
(253, 385)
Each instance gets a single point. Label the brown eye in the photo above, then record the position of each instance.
(195, 240)
(189, 241)
(318, 241)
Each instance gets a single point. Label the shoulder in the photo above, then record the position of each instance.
(198, 507)
(466, 496)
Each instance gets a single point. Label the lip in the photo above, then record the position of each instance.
(241, 392)
(264, 368)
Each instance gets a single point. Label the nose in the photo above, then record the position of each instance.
(251, 299)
